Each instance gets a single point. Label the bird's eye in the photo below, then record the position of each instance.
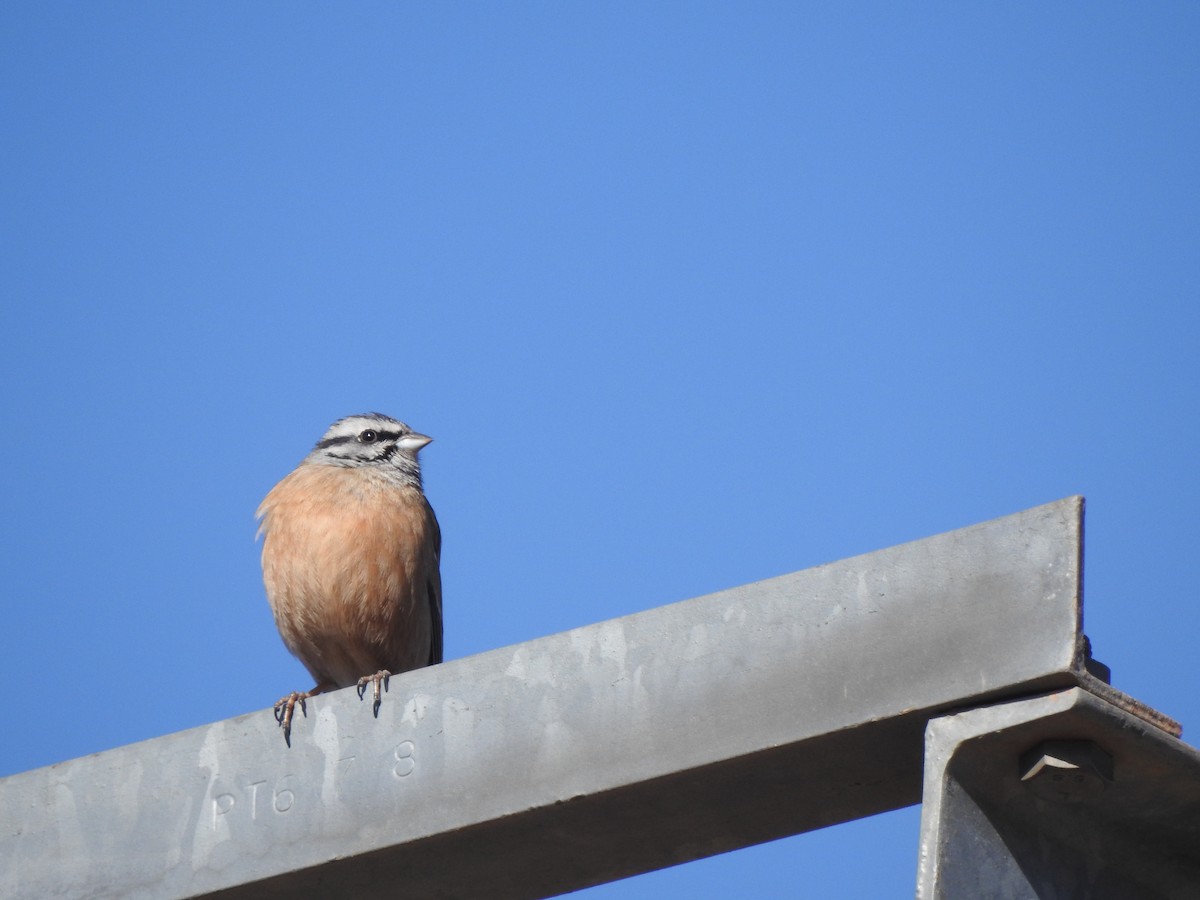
(368, 436)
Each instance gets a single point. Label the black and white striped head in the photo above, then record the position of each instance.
(371, 440)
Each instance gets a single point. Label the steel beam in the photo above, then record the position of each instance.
(1060, 797)
(629, 745)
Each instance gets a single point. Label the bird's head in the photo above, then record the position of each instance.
(371, 440)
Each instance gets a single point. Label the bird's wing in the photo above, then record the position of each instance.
(433, 589)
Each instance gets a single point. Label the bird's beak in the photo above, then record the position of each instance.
(413, 442)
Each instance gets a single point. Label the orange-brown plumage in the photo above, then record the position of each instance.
(351, 558)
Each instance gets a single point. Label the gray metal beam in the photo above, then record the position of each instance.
(1113, 815)
(633, 744)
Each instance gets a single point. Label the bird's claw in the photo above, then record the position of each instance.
(379, 678)
(284, 710)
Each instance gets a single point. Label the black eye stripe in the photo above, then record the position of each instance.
(347, 439)
(332, 442)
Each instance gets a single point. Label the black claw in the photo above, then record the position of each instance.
(376, 680)
(378, 698)
(285, 709)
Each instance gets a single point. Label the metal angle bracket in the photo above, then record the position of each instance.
(1065, 796)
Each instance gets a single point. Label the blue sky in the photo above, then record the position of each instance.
(689, 295)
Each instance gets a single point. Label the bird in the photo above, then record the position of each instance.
(351, 560)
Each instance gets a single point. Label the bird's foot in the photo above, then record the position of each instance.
(284, 709)
(379, 678)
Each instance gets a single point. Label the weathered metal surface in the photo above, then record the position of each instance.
(632, 744)
(1122, 823)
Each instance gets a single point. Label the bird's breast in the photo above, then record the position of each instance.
(347, 563)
